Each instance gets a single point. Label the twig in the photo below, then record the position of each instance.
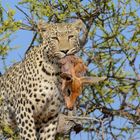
(123, 78)
(88, 26)
(102, 125)
(31, 44)
(27, 17)
(81, 118)
(27, 27)
(30, 21)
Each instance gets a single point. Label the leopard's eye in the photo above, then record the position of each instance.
(55, 38)
(70, 36)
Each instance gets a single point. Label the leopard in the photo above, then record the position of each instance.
(31, 89)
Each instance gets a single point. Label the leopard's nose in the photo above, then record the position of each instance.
(64, 51)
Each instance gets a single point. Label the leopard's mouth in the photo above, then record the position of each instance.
(63, 53)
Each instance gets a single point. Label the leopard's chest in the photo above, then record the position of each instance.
(46, 99)
(43, 88)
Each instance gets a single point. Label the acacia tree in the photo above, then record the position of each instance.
(110, 47)
(7, 27)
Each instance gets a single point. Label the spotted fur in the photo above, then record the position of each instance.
(30, 89)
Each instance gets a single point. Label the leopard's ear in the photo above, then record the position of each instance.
(92, 80)
(79, 25)
(42, 26)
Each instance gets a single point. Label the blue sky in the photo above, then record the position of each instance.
(22, 39)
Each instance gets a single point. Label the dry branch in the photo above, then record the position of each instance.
(68, 123)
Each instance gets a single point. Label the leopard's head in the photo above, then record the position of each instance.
(62, 38)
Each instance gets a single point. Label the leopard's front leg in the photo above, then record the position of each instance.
(48, 130)
(25, 120)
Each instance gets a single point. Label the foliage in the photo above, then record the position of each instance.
(7, 27)
(111, 48)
